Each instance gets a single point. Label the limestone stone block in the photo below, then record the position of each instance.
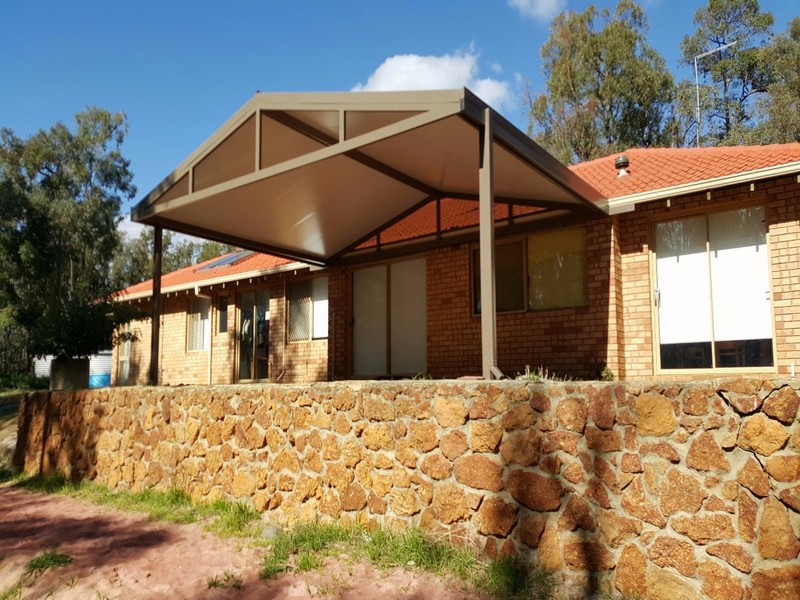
(776, 537)
(719, 583)
(695, 400)
(550, 557)
(635, 503)
(566, 441)
(663, 450)
(665, 585)
(495, 517)
(577, 514)
(377, 437)
(617, 529)
(450, 411)
(521, 447)
(791, 497)
(667, 551)
(753, 477)
(534, 491)
(377, 409)
(424, 436)
(572, 414)
(450, 504)
(705, 528)
(630, 577)
(705, 454)
(654, 415)
(530, 529)
(587, 556)
(681, 492)
(479, 472)
(485, 436)
(784, 468)
(519, 417)
(453, 444)
(375, 504)
(436, 466)
(602, 410)
(762, 435)
(781, 583)
(353, 497)
(603, 441)
(733, 554)
(782, 405)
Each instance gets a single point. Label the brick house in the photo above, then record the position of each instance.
(671, 264)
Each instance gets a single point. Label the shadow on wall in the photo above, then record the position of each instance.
(58, 433)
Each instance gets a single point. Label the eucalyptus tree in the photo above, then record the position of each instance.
(60, 197)
(606, 88)
(738, 73)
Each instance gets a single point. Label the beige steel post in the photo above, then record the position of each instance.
(486, 251)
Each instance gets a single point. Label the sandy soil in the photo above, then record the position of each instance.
(124, 555)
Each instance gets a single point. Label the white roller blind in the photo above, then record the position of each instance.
(683, 284)
(740, 275)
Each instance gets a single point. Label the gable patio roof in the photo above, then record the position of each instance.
(311, 176)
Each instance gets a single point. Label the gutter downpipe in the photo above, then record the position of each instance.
(210, 328)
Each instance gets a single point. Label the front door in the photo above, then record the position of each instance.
(253, 336)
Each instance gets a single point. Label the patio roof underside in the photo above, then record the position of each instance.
(326, 178)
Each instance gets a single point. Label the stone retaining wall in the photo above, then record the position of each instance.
(649, 490)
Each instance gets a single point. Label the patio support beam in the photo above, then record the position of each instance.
(486, 241)
(156, 308)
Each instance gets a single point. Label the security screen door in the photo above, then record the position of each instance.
(390, 320)
(712, 291)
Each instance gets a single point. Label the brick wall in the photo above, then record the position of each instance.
(650, 490)
(570, 341)
(615, 328)
(781, 199)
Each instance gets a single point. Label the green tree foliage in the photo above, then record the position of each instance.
(134, 262)
(778, 111)
(60, 197)
(607, 90)
(739, 73)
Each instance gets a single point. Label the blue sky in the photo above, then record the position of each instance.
(180, 69)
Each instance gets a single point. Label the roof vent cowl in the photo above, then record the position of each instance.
(621, 163)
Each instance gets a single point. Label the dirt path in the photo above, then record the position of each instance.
(124, 555)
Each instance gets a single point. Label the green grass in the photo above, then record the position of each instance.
(305, 548)
(50, 559)
(226, 580)
(173, 506)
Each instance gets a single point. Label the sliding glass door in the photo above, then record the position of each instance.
(253, 336)
(712, 291)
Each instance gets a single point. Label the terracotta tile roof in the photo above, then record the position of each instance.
(650, 169)
(657, 168)
(247, 262)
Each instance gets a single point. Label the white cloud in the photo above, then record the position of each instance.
(540, 10)
(450, 71)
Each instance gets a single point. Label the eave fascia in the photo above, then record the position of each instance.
(202, 283)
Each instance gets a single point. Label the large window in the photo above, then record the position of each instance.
(543, 271)
(199, 326)
(308, 309)
(712, 291)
